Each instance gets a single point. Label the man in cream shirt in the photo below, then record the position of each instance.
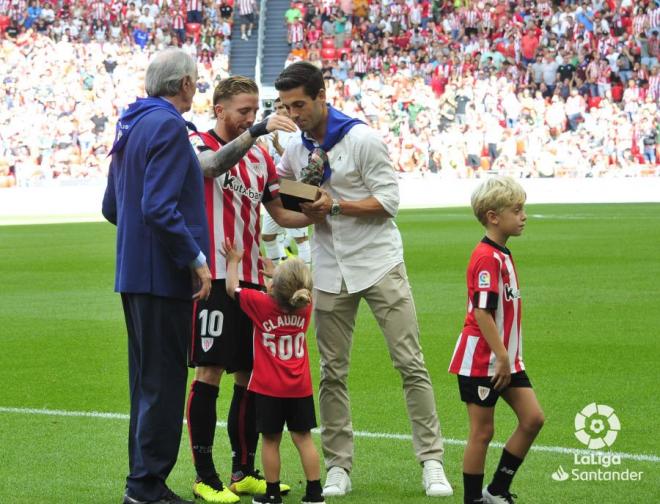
(354, 226)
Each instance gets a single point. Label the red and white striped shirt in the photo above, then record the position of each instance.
(492, 285)
(602, 45)
(592, 70)
(179, 20)
(193, 5)
(471, 18)
(454, 21)
(654, 18)
(604, 72)
(375, 64)
(444, 70)
(544, 8)
(639, 24)
(98, 10)
(396, 13)
(360, 63)
(375, 10)
(5, 6)
(18, 9)
(233, 205)
(487, 20)
(327, 6)
(654, 86)
(245, 7)
(296, 32)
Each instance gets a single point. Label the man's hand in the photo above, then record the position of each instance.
(317, 210)
(201, 279)
(281, 123)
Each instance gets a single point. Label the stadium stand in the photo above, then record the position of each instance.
(457, 88)
(524, 88)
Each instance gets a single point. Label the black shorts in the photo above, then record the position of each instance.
(248, 18)
(222, 333)
(480, 390)
(273, 412)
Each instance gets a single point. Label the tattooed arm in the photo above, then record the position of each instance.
(216, 163)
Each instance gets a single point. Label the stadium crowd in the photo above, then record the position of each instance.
(70, 68)
(568, 88)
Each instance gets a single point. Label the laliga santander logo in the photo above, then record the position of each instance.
(597, 426)
(560, 474)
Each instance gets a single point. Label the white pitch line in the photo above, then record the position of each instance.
(359, 434)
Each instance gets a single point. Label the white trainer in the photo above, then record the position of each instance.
(434, 480)
(337, 483)
(489, 498)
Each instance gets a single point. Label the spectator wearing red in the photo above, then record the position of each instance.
(528, 46)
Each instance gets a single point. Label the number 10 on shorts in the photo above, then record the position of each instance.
(286, 346)
(210, 323)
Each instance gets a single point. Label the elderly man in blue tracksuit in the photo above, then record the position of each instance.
(155, 198)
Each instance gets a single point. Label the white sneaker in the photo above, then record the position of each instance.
(244, 36)
(249, 33)
(434, 480)
(337, 483)
(489, 498)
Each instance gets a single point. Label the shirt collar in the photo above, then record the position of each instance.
(490, 242)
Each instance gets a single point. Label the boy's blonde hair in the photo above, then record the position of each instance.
(496, 193)
(292, 284)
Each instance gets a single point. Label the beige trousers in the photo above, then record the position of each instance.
(392, 304)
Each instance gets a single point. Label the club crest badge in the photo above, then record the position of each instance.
(207, 343)
(483, 392)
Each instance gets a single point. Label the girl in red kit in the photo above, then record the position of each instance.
(280, 380)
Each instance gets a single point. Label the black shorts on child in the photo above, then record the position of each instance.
(480, 391)
(274, 412)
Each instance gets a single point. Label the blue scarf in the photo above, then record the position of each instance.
(337, 126)
(136, 111)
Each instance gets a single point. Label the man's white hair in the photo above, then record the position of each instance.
(166, 71)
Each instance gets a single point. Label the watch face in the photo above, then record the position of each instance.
(335, 209)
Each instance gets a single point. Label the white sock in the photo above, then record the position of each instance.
(305, 252)
(274, 250)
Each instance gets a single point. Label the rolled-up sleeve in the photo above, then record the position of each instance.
(284, 169)
(377, 171)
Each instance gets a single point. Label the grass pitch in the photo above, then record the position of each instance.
(590, 286)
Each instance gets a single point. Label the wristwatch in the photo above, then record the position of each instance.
(335, 209)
